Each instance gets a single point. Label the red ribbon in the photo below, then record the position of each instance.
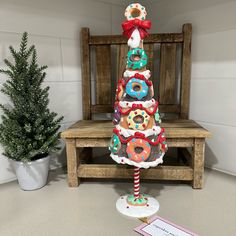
(139, 135)
(131, 25)
(159, 139)
(138, 106)
(137, 76)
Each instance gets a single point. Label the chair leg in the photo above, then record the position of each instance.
(198, 163)
(72, 163)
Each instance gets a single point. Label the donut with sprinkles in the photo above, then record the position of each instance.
(143, 153)
(135, 11)
(138, 119)
(136, 59)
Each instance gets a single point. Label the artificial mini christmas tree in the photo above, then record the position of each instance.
(29, 130)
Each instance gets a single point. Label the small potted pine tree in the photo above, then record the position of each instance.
(29, 130)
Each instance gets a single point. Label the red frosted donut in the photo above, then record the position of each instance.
(133, 155)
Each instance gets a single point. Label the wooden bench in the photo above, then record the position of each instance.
(103, 63)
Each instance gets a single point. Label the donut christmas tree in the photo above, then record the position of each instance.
(137, 138)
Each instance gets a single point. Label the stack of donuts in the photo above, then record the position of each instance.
(137, 138)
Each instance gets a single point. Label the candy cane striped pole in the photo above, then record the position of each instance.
(136, 182)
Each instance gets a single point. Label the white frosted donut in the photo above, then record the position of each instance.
(135, 11)
(129, 73)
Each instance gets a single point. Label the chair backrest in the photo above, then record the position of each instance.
(104, 61)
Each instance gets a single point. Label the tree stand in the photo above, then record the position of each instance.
(137, 205)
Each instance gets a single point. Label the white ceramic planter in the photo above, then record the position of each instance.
(32, 175)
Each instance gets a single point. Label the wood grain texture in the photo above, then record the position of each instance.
(72, 162)
(149, 49)
(103, 129)
(110, 108)
(103, 74)
(152, 38)
(167, 88)
(186, 71)
(180, 142)
(104, 142)
(198, 163)
(118, 171)
(92, 142)
(85, 67)
(122, 51)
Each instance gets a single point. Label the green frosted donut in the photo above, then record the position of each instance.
(115, 144)
(157, 117)
(134, 63)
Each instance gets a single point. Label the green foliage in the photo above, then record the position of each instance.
(29, 130)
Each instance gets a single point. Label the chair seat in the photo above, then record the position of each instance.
(103, 129)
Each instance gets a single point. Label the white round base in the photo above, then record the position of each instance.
(137, 211)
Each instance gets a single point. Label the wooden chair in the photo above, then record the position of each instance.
(170, 63)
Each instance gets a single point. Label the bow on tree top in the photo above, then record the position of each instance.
(131, 25)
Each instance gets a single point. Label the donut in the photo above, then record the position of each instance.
(135, 11)
(138, 119)
(157, 117)
(136, 58)
(138, 150)
(115, 144)
(119, 91)
(116, 116)
(136, 88)
(130, 73)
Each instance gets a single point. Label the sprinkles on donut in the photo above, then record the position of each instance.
(135, 11)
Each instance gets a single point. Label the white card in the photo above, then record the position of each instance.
(160, 227)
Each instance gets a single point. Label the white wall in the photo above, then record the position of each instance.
(54, 27)
(213, 83)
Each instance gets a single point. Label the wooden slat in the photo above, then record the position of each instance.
(186, 133)
(103, 74)
(169, 108)
(103, 142)
(180, 142)
(115, 171)
(167, 86)
(92, 142)
(152, 38)
(186, 71)
(170, 124)
(110, 108)
(121, 59)
(149, 48)
(85, 66)
(103, 129)
(102, 108)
